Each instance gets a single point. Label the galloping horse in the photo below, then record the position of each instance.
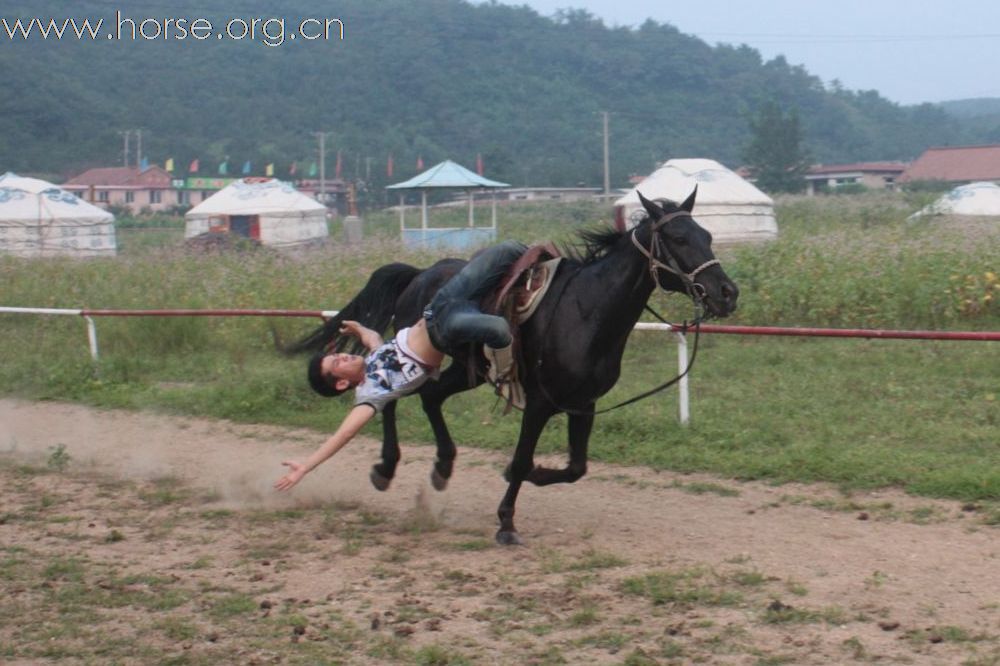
(571, 348)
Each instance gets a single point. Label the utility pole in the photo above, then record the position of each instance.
(322, 166)
(125, 135)
(607, 160)
(138, 148)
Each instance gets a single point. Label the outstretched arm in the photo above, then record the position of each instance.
(355, 420)
(369, 338)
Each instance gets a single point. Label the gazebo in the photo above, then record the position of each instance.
(447, 175)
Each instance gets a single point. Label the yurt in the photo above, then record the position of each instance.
(729, 207)
(264, 209)
(981, 199)
(39, 219)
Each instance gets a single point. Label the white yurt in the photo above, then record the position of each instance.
(980, 199)
(39, 219)
(731, 208)
(264, 209)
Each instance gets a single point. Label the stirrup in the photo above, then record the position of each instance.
(511, 392)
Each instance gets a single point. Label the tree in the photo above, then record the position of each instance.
(775, 155)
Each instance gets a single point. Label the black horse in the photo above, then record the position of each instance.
(571, 348)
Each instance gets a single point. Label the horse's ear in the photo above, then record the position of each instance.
(654, 211)
(688, 204)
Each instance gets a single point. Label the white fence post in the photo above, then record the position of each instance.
(92, 337)
(682, 385)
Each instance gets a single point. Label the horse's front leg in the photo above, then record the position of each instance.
(536, 415)
(580, 426)
(383, 472)
(432, 396)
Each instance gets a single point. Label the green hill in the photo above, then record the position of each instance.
(427, 78)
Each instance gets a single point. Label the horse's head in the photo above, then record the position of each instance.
(681, 251)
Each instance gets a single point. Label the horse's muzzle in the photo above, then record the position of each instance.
(722, 302)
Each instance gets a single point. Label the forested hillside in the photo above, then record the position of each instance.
(430, 78)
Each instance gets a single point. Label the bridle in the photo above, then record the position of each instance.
(657, 248)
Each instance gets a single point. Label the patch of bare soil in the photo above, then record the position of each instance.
(140, 538)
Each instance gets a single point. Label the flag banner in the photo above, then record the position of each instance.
(292, 168)
(269, 169)
(420, 163)
(312, 170)
(224, 168)
(246, 168)
(338, 167)
(479, 163)
(193, 168)
(144, 164)
(388, 167)
(169, 166)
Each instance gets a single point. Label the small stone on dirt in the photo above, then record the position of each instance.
(863, 515)
(888, 626)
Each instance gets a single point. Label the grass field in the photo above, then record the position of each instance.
(859, 414)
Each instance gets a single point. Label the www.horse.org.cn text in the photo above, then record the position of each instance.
(272, 31)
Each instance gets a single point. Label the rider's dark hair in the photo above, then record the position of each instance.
(317, 381)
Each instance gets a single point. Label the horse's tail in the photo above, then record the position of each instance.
(373, 307)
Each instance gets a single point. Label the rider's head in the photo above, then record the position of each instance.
(332, 374)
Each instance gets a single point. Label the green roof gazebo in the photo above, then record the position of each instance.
(447, 175)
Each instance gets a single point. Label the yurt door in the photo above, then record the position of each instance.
(245, 225)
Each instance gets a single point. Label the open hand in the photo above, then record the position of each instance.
(296, 471)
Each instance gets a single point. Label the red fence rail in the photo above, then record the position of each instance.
(869, 333)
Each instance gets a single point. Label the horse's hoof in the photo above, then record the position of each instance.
(437, 480)
(509, 538)
(380, 482)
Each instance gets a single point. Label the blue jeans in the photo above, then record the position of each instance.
(453, 316)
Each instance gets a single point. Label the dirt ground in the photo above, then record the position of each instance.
(143, 538)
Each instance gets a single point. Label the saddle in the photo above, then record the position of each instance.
(516, 299)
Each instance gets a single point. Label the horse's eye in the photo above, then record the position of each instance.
(678, 240)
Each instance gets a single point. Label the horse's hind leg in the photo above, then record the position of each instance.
(432, 395)
(383, 472)
(580, 426)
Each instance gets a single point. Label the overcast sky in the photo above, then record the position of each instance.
(910, 51)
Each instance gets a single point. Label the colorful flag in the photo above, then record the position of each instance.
(292, 168)
(169, 166)
(479, 163)
(420, 163)
(246, 168)
(312, 170)
(194, 166)
(337, 169)
(388, 167)
(224, 167)
(269, 169)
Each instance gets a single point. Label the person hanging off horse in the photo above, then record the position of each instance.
(397, 368)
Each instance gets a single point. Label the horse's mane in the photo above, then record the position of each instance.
(598, 242)
(593, 244)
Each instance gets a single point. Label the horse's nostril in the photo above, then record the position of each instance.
(730, 292)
